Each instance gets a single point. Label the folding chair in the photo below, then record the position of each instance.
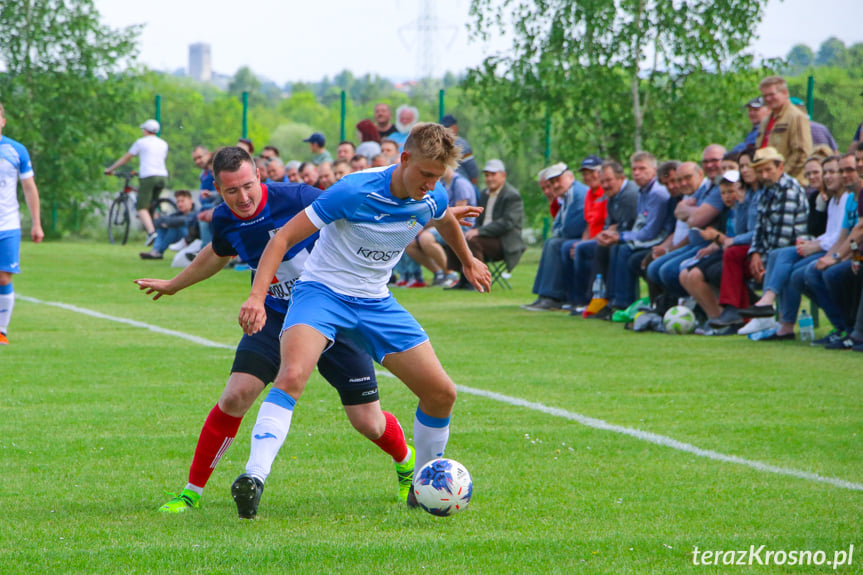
(499, 274)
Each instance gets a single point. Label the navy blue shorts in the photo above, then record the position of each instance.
(344, 365)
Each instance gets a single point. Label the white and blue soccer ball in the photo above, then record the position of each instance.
(679, 320)
(443, 487)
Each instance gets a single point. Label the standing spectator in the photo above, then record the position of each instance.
(346, 150)
(757, 111)
(406, 118)
(497, 234)
(467, 166)
(369, 139)
(383, 123)
(14, 165)
(270, 152)
(170, 229)
(568, 227)
(318, 147)
(787, 129)
(152, 151)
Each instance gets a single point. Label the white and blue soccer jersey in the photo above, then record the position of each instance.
(364, 230)
(248, 238)
(14, 166)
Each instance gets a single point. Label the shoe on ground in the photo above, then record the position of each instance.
(3, 339)
(833, 336)
(178, 245)
(844, 344)
(151, 255)
(151, 237)
(729, 316)
(411, 499)
(605, 313)
(439, 279)
(405, 474)
(533, 303)
(595, 305)
(451, 279)
(758, 311)
(246, 491)
(545, 304)
(460, 284)
(188, 499)
(577, 310)
(714, 331)
(416, 283)
(402, 283)
(757, 324)
(780, 337)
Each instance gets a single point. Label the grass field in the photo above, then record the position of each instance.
(99, 418)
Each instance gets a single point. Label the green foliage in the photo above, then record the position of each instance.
(65, 94)
(832, 53)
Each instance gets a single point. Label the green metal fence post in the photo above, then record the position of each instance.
(159, 112)
(440, 106)
(245, 114)
(810, 95)
(344, 111)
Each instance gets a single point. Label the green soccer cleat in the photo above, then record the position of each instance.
(186, 500)
(405, 474)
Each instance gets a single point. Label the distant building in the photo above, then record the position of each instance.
(200, 63)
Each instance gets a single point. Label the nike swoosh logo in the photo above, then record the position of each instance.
(267, 435)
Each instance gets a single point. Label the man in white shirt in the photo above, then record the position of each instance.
(152, 151)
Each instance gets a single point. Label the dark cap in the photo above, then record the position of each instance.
(591, 163)
(755, 103)
(316, 138)
(448, 120)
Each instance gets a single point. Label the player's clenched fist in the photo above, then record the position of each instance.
(253, 316)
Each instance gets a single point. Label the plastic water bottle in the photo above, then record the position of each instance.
(807, 326)
(598, 287)
(763, 334)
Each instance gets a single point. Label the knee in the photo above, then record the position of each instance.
(239, 396)
(371, 423)
(292, 380)
(440, 397)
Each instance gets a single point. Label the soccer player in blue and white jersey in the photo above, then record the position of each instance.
(366, 221)
(14, 166)
(242, 225)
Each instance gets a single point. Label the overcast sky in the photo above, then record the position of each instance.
(290, 41)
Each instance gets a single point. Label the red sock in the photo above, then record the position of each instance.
(393, 439)
(216, 436)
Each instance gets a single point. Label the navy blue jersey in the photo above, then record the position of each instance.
(248, 237)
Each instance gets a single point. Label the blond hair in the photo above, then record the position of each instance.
(773, 81)
(433, 142)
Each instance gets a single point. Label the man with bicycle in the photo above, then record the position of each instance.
(14, 166)
(152, 152)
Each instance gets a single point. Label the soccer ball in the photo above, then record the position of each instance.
(443, 487)
(679, 320)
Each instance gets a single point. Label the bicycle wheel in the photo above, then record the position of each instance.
(119, 221)
(163, 207)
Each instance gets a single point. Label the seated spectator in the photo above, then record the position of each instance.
(468, 166)
(699, 276)
(276, 171)
(590, 257)
(697, 211)
(318, 148)
(497, 233)
(380, 161)
(786, 266)
(341, 168)
(309, 174)
(390, 149)
(170, 229)
(729, 163)
(629, 247)
(209, 198)
(858, 154)
(369, 138)
(813, 172)
(326, 177)
(554, 202)
(830, 280)
(270, 152)
(359, 163)
(568, 227)
(406, 118)
(346, 150)
(428, 248)
(681, 180)
(292, 171)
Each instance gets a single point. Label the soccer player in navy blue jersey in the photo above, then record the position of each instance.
(365, 220)
(242, 225)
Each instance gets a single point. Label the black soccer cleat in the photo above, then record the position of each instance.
(246, 491)
(412, 499)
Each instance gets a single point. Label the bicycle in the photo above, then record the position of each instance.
(123, 206)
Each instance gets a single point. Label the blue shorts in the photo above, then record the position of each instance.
(10, 248)
(344, 365)
(382, 325)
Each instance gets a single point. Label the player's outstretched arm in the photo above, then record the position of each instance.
(253, 316)
(475, 271)
(206, 264)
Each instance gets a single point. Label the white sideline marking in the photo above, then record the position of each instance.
(572, 416)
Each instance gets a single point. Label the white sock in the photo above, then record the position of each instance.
(7, 302)
(271, 429)
(195, 488)
(430, 437)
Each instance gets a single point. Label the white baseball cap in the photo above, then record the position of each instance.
(151, 126)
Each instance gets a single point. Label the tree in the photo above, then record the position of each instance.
(64, 92)
(569, 57)
(832, 52)
(799, 58)
(244, 81)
